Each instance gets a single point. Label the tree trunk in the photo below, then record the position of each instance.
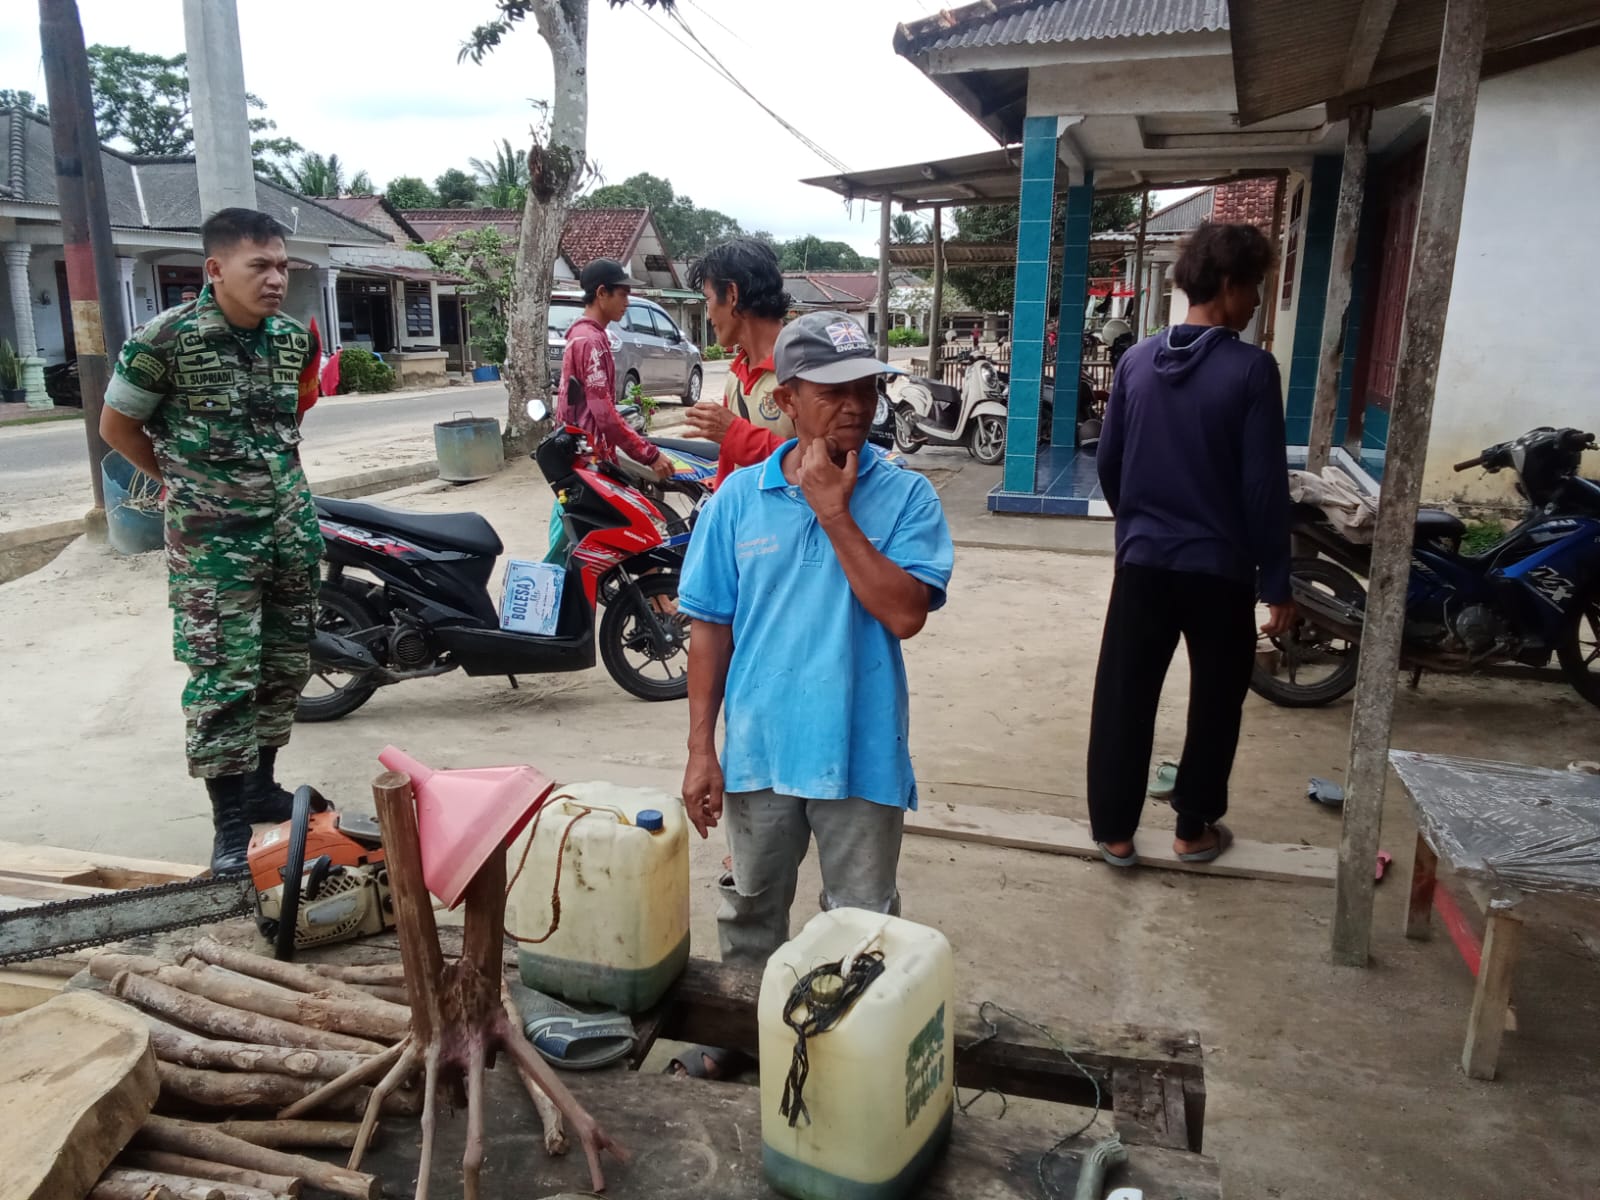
(181, 1164)
(555, 170)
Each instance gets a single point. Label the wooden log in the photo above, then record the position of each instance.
(415, 926)
(289, 975)
(143, 1182)
(207, 1016)
(108, 965)
(257, 1089)
(198, 1168)
(208, 1142)
(1424, 881)
(368, 1071)
(383, 974)
(312, 1135)
(394, 995)
(121, 1189)
(187, 1049)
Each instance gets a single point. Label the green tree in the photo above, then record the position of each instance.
(687, 229)
(315, 175)
(142, 100)
(407, 191)
(26, 101)
(361, 185)
(811, 253)
(503, 180)
(906, 228)
(456, 189)
(488, 262)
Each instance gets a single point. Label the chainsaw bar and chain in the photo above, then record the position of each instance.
(64, 926)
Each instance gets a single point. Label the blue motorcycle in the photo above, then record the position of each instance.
(1533, 595)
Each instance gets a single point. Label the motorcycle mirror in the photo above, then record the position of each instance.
(537, 409)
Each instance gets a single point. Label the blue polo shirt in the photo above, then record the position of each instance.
(816, 703)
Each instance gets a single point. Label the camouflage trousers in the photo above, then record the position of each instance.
(246, 642)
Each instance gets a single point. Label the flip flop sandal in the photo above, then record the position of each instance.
(1118, 860)
(567, 1037)
(1211, 853)
(725, 1063)
(1164, 782)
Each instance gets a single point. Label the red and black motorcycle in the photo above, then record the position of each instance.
(406, 595)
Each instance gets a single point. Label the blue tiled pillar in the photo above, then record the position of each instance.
(1032, 297)
(1069, 317)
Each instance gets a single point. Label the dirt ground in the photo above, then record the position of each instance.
(1323, 1081)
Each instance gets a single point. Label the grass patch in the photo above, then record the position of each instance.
(1481, 535)
(44, 418)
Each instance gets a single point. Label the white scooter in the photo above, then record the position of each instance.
(930, 413)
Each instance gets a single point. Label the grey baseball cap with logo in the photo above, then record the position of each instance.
(826, 347)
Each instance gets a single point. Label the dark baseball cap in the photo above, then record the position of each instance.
(605, 272)
(826, 347)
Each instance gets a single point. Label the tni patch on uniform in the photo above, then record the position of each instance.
(211, 404)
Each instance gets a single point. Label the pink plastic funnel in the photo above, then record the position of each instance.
(465, 816)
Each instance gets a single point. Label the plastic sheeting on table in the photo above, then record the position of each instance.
(1528, 828)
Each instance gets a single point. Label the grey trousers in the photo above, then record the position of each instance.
(858, 848)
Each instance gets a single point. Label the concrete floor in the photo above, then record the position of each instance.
(1323, 1082)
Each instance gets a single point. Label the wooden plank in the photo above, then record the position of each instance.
(1143, 1114)
(90, 867)
(22, 990)
(1424, 881)
(1372, 25)
(1487, 1023)
(715, 1004)
(44, 891)
(77, 1079)
(1433, 264)
(1287, 863)
(697, 1140)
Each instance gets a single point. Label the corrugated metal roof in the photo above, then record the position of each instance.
(1182, 216)
(1042, 22)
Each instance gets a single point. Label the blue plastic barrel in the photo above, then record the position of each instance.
(134, 521)
(485, 374)
(469, 448)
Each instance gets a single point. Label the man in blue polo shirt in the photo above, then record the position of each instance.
(805, 573)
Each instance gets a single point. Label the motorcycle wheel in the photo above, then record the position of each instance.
(906, 439)
(339, 693)
(628, 643)
(1308, 647)
(1579, 651)
(988, 439)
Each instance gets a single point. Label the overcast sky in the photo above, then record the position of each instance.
(377, 82)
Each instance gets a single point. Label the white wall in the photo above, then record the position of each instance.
(46, 321)
(1519, 335)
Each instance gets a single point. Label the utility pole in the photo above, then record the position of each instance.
(217, 100)
(98, 326)
(883, 280)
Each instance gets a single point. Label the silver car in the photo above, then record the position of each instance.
(649, 348)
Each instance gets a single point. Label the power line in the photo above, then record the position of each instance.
(704, 53)
(712, 17)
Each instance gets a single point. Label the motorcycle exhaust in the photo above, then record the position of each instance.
(1331, 614)
(340, 653)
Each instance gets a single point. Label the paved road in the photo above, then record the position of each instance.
(44, 473)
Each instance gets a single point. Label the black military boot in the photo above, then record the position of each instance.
(230, 848)
(266, 800)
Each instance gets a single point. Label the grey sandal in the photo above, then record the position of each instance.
(1211, 853)
(1118, 860)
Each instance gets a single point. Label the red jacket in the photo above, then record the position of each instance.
(588, 360)
(745, 443)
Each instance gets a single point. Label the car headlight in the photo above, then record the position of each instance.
(881, 413)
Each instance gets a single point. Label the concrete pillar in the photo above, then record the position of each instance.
(125, 270)
(328, 278)
(217, 100)
(1158, 298)
(17, 256)
(1031, 298)
(1069, 317)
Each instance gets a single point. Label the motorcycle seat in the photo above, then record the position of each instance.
(443, 531)
(1435, 524)
(706, 450)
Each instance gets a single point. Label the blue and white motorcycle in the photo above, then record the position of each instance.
(1533, 595)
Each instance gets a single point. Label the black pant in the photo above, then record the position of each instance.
(1149, 610)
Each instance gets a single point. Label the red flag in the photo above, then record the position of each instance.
(310, 374)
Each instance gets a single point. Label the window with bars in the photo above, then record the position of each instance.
(419, 310)
(1295, 230)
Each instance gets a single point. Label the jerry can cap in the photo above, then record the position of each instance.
(650, 820)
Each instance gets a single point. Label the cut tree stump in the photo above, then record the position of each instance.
(77, 1080)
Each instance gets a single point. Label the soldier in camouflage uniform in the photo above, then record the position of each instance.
(208, 397)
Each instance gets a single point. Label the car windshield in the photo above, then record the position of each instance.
(563, 315)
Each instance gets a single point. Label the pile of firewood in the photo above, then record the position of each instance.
(238, 1032)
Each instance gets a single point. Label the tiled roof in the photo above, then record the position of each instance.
(1245, 202)
(373, 211)
(845, 286)
(593, 233)
(159, 193)
(1042, 22)
(432, 224)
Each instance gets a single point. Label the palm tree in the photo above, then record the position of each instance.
(315, 175)
(503, 183)
(904, 229)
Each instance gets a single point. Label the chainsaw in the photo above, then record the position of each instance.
(319, 877)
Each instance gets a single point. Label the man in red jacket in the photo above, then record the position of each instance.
(588, 362)
(743, 286)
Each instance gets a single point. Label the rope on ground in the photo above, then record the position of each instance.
(993, 1031)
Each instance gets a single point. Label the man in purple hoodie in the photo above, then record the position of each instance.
(1193, 466)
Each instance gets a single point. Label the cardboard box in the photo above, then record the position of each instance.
(531, 599)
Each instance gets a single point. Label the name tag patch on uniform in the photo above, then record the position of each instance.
(147, 364)
(216, 377)
(285, 375)
(210, 404)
